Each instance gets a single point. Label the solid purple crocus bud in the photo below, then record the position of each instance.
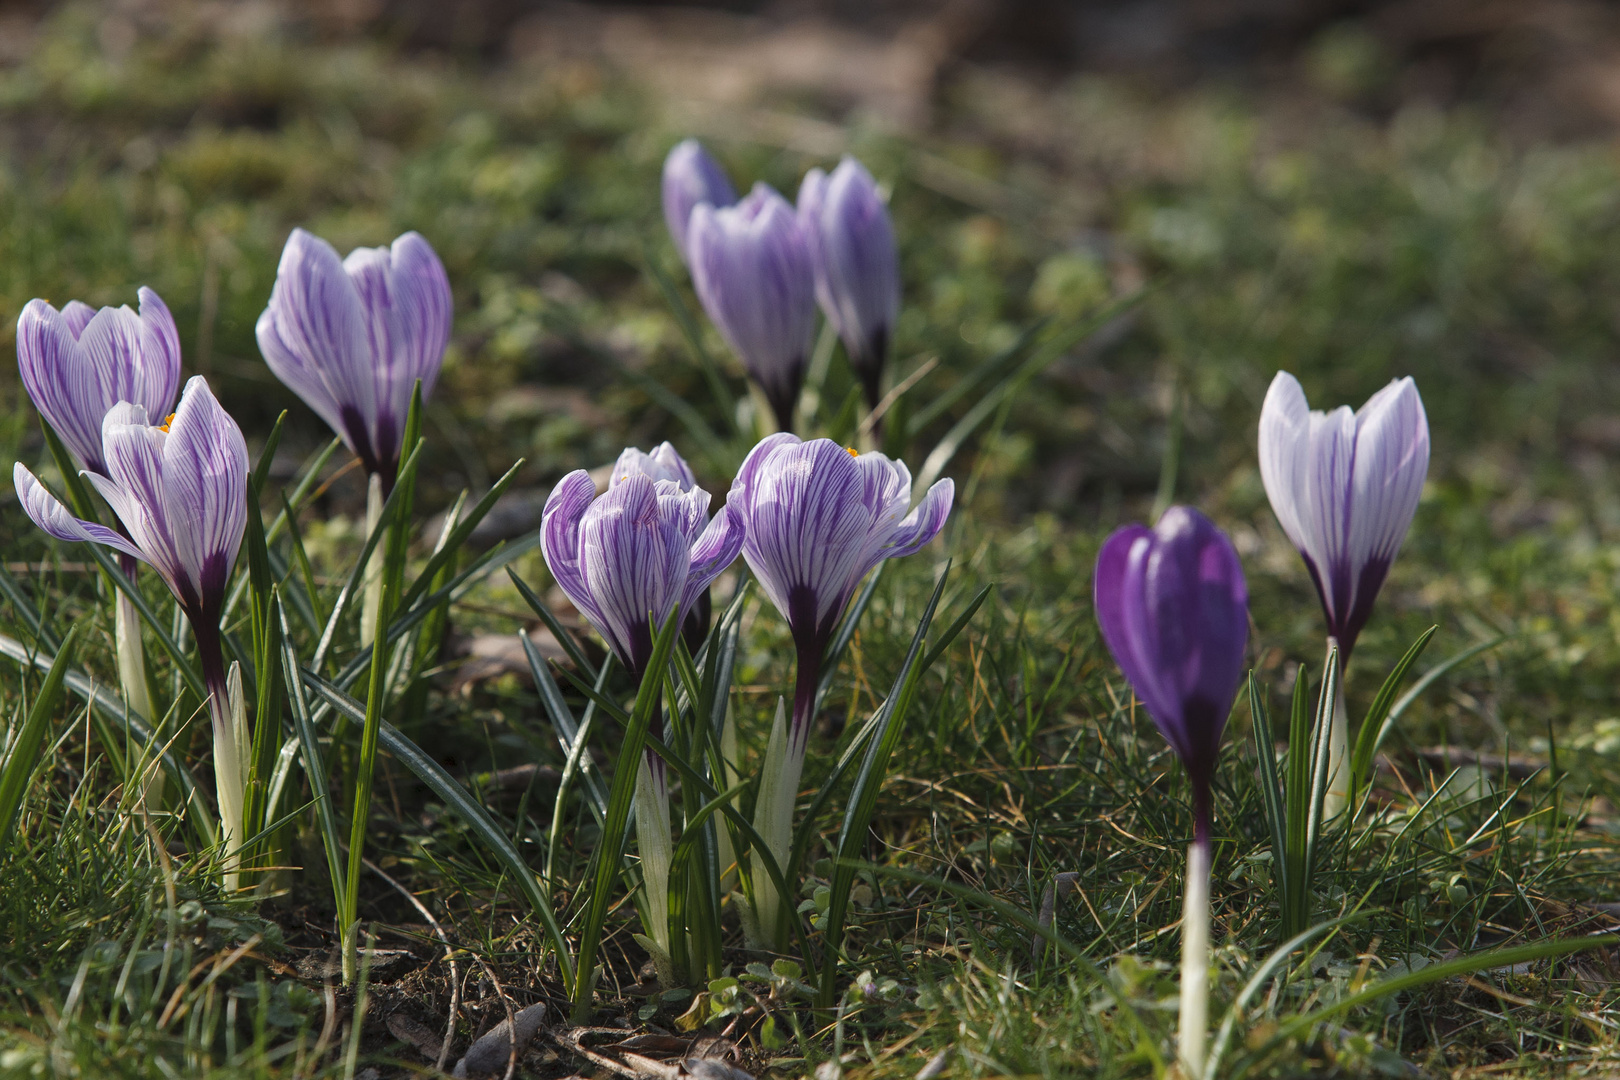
(180, 489)
(857, 267)
(630, 557)
(751, 268)
(351, 337)
(692, 178)
(1174, 610)
(818, 518)
(77, 363)
(1344, 486)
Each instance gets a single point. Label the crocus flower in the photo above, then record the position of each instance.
(76, 365)
(692, 177)
(857, 267)
(628, 559)
(818, 518)
(751, 268)
(665, 463)
(1344, 486)
(1173, 607)
(352, 337)
(180, 489)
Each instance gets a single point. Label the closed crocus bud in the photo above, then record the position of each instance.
(857, 267)
(1344, 486)
(352, 336)
(692, 177)
(1174, 610)
(1173, 607)
(751, 268)
(77, 363)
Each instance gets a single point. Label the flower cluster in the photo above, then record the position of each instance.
(760, 266)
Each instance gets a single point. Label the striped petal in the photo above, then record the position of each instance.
(205, 470)
(45, 511)
(692, 177)
(856, 262)
(663, 463)
(634, 555)
(752, 271)
(559, 539)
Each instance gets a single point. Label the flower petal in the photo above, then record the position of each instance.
(716, 548)
(313, 336)
(50, 515)
(205, 470)
(922, 524)
(559, 539)
(634, 554)
(134, 487)
(691, 177)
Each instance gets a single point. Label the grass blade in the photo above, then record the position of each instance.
(18, 767)
(1372, 727)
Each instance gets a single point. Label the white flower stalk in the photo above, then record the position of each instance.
(232, 745)
(1194, 1023)
(653, 841)
(773, 820)
(371, 603)
(137, 694)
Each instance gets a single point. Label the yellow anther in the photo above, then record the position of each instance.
(852, 451)
(166, 422)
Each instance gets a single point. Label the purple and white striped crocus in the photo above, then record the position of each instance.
(627, 560)
(179, 486)
(818, 519)
(664, 462)
(76, 364)
(1344, 486)
(352, 336)
(857, 266)
(1174, 610)
(752, 271)
(692, 177)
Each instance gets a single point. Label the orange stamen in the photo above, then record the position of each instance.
(166, 422)
(851, 451)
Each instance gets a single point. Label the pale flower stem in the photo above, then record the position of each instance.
(232, 743)
(722, 832)
(1337, 797)
(372, 601)
(137, 693)
(1194, 1023)
(653, 843)
(773, 820)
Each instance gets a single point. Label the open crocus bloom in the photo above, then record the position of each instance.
(180, 489)
(352, 336)
(751, 268)
(77, 363)
(691, 178)
(857, 266)
(629, 558)
(819, 518)
(1344, 486)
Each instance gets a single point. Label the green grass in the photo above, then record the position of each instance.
(1346, 250)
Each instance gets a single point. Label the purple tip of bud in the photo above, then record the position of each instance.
(856, 264)
(1344, 486)
(1173, 607)
(692, 177)
(629, 558)
(751, 267)
(352, 336)
(78, 363)
(818, 518)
